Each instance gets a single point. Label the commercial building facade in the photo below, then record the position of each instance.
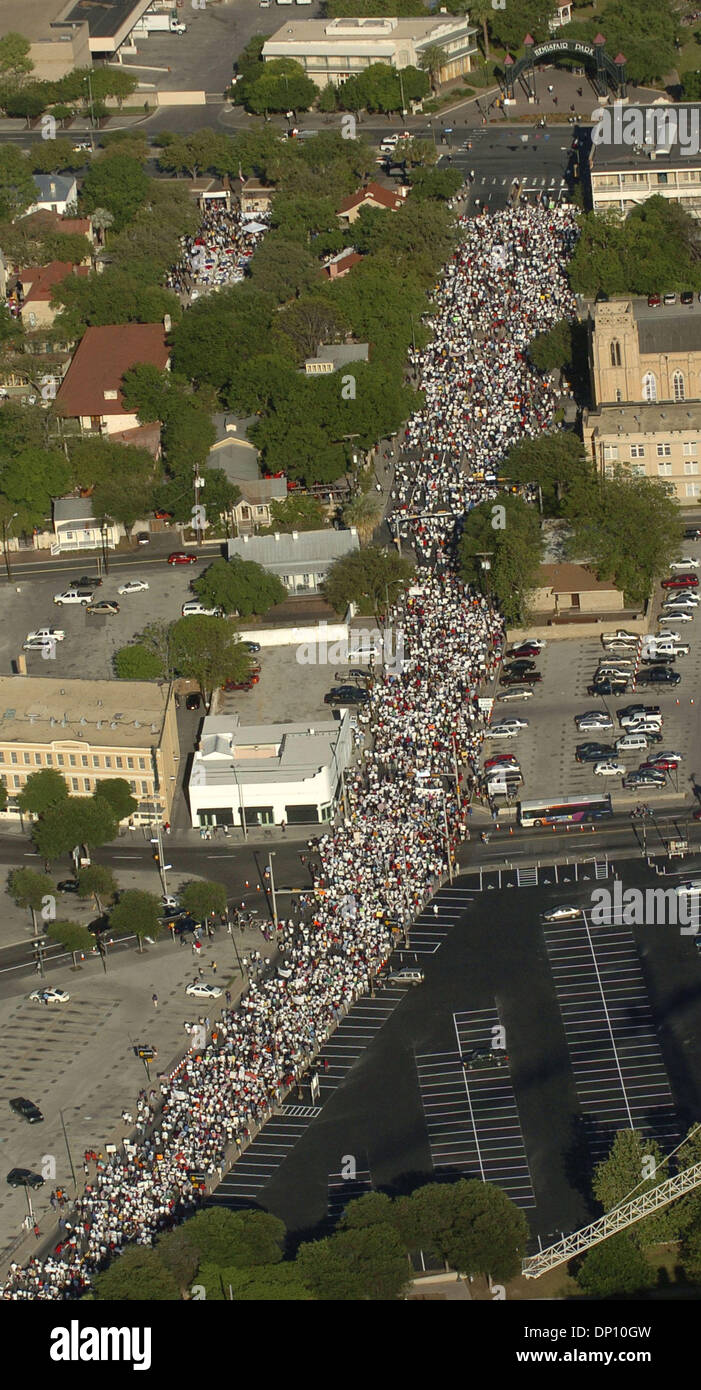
(334, 50)
(91, 731)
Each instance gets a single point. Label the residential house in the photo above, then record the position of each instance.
(341, 264)
(571, 593)
(55, 193)
(91, 390)
(36, 285)
(301, 559)
(255, 198)
(373, 195)
(332, 357)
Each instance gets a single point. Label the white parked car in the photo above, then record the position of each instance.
(169, 902)
(194, 609)
(690, 888)
(675, 616)
(561, 914)
(82, 596)
(687, 563)
(517, 692)
(46, 634)
(609, 768)
(49, 996)
(133, 586)
(199, 990)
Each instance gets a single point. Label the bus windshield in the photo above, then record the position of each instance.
(566, 811)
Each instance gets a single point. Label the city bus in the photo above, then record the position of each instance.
(569, 810)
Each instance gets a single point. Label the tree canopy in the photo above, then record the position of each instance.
(654, 249)
(240, 587)
(506, 535)
(629, 528)
(372, 579)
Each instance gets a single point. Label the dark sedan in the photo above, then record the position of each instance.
(24, 1177)
(658, 675)
(27, 1109)
(521, 678)
(347, 695)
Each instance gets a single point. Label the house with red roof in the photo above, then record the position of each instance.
(35, 287)
(91, 389)
(373, 195)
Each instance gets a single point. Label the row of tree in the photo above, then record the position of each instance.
(84, 90)
(220, 1254)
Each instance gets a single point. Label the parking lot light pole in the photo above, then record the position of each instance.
(68, 1148)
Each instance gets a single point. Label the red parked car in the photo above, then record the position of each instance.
(253, 679)
(681, 581)
(181, 557)
(160, 515)
(501, 760)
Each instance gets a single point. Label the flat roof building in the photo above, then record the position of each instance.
(90, 731)
(268, 773)
(301, 559)
(334, 50)
(644, 150)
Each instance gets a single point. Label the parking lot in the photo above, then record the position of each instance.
(546, 749)
(91, 640)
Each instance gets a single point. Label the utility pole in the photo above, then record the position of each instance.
(68, 1148)
(447, 836)
(242, 808)
(271, 856)
(456, 770)
(5, 537)
(92, 112)
(157, 839)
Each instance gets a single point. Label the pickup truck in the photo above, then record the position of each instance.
(82, 596)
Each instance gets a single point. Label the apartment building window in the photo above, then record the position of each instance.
(692, 489)
(637, 470)
(664, 451)
(133, 786)
(108, 761)
(610, 453)
(649, 387)
(37, 759)
(86, 784)
(664, 470)
(95, 761)
(608, 470)
(690, 448)
(637, 451)
(691, 467)
(60, 759)
(130, 762)
(18, 781)
(75, 784)
(619, 394)
(144, 788)
(615, 350)
(2, 757)
(84, 760)
(119, 762)
(142, 764)
(71, 759)
(27, 757)
(49, 759)
(678, 386)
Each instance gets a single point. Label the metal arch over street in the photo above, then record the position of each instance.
(608, 70)
(613, 1221)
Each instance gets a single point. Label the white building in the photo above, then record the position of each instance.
(301, 559)
(336, 49)
(268, 772)
(55, 193)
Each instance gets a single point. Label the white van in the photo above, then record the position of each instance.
(631, 743)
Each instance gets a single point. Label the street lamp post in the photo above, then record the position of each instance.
(68, 1148)
(242, 808)
(271, 856)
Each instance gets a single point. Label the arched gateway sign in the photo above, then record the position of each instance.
(609, 71)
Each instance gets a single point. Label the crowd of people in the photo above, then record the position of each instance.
(406, 803)
(219, 254)
(504, 285)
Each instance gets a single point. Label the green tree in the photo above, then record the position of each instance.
(116, 182)
(619, 1176)
(656, 248)
(552, 349)
(73, 936)
(282, 268)
(371, 579)
(473, 1225)
(555, 462)
(137, 912)
(373, 1209)
(202, 898)
(117, 793)
(630, 528)
(513, 551)
(27, 102)
(28, 889)
(364, 512)
(137, 662)
(117, 296)
(97, 881)
(296, 513)
(263, 1284)
(240, 587)
(432, 59)
(208, 650)
(30, 479)
(15, 63)
(137, 1276)
(17, 187)
(240, 1239)
(179, 1256)
(309, 322)
(509, 26)
(365, 1263)
(439, 184)
(691, 1254)
(42, 792)
(616, 1266)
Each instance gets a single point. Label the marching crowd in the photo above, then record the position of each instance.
(503, 285)
(219, 254)
(406, 803)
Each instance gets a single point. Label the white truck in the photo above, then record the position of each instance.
(155, 23)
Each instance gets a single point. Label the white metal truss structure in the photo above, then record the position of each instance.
(617, 1220)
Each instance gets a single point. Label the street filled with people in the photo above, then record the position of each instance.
(406, 797)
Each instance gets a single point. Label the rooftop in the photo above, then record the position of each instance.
(567, 578)
(339, 354)
(36, 18)
(358, 34)
(272, 752)
(278, 551)
(654, 138)
(636, 418)
(105, 713)
(39, 281)
(105, 17)
(93, 380)
(374, 192)
(54, 188)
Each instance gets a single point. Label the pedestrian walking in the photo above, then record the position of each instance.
(154, 1000)
(214, 967)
